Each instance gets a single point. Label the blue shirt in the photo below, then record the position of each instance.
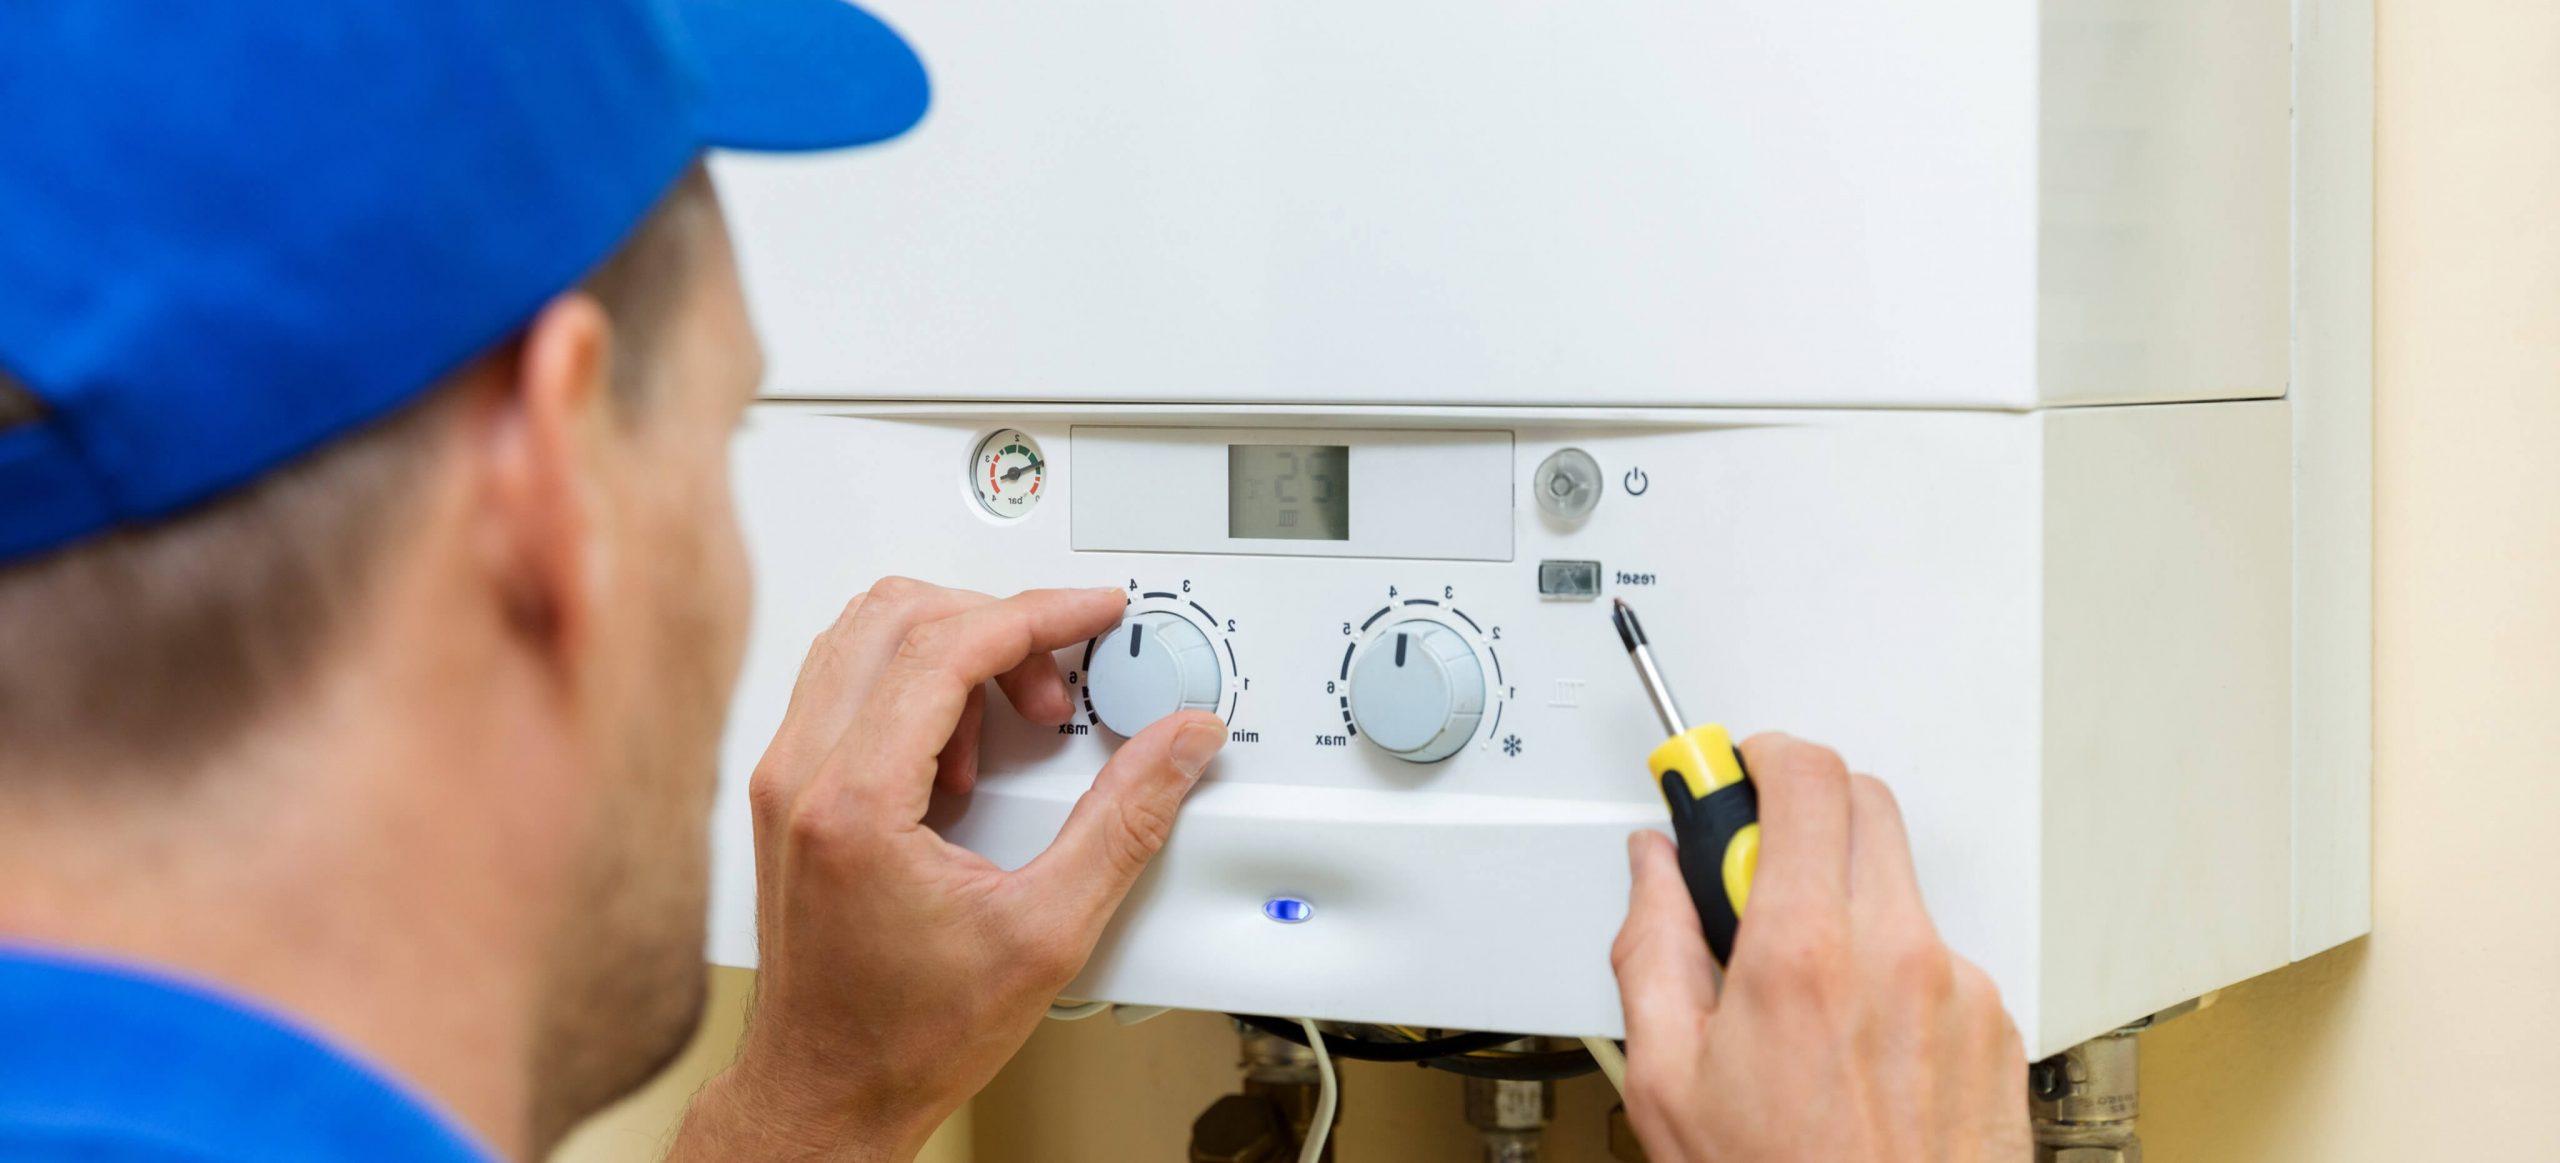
(102, 1064)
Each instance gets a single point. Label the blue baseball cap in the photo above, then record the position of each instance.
(232, 232)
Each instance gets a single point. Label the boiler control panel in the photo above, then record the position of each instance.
(1433, 731)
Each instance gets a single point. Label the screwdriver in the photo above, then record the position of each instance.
(1715, 813)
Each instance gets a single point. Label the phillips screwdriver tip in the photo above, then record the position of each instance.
(1630, 631)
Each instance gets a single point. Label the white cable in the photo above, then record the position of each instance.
(1132, 1015)
(1328, 1094)
(1613, 1062)
(1076, 1011)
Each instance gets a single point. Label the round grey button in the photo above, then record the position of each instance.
(1567, 484)
(1151, 666)
(1418, 691)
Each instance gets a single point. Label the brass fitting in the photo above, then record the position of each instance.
(2085, 1101)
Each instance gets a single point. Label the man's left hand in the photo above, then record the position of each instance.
(899, 971)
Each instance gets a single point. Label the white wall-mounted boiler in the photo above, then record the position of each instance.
(1981, 388)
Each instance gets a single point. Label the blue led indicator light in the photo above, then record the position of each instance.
(1288, 910)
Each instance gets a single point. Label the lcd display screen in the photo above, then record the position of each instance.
(1293, 492)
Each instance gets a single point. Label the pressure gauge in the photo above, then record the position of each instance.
(1007, 473)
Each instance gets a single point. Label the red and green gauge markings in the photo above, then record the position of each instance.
(1007, 473)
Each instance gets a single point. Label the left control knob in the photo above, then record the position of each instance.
(1152, 665)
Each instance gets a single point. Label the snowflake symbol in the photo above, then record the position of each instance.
(1511, 745)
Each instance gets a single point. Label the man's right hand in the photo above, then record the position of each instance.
(1845, 1030)
(898, 971)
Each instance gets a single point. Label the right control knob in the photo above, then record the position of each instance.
(1418, 691)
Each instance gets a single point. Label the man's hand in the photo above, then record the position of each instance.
(899, 971)
(1845, 1030)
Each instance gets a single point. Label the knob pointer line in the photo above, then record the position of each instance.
(1715, 812)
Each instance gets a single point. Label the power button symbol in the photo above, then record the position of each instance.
(1637, 482)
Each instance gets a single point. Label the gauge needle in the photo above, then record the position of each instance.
(1015, 473)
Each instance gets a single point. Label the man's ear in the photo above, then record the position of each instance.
(538, 426)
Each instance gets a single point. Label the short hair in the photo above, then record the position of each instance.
(156, 645)
(17, 405)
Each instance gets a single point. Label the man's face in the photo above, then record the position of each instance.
(666, 648)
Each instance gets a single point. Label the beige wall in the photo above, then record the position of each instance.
(2436, 1038)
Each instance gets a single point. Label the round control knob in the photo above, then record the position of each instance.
(1151, 666)
(1418, 691)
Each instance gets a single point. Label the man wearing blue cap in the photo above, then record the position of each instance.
(370, 593)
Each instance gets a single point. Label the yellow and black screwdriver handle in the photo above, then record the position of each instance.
(1715, 815)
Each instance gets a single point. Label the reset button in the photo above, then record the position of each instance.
(1579, 580)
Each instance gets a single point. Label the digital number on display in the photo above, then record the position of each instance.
(1295, 492)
